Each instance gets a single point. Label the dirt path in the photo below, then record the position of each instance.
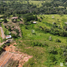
(2, 33)
(12, 53)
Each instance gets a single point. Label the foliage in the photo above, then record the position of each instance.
(12, 63)
(35, 7)
(37, 44)
(6, 32)
(57, 40)
(29, 17)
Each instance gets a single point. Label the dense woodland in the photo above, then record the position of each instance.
(23, 7)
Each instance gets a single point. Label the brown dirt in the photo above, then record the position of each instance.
(11, 52)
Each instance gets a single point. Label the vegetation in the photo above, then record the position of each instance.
(6, 32)
(36, 7)
(46, 40)
(12, 63)
(46, 45)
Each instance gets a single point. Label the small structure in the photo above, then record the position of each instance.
(66, 63)
(8, 36)
(14, 17)
(54, 23)
(61, 64)
(50, 38)
(34, 22)
(66, 23)
(52, 17)
(33, 31)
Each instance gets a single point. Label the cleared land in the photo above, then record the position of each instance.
(11, 55)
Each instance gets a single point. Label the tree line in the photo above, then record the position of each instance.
(18, 7)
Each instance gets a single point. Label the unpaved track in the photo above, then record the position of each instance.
(5, 58)
(10, 53)
(2, 33)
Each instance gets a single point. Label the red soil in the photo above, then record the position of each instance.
(4, 59)
(11, 53)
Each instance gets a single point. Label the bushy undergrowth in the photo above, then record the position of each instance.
(36, 43)
(6, 32)
(56, 56)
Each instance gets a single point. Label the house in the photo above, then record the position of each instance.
(34, 22)
(8, 36)
(14, 17)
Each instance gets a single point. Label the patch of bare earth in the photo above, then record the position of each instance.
(11, 52)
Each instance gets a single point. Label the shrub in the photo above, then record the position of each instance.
(52, 50)
(58, 40)
(37, 44)
(5, 21)
(51, 60)
(45, 44)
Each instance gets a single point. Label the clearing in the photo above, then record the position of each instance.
(11, 53)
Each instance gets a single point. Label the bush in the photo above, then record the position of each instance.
(52, 50)
(51, 60)
(58, 40)
(5, 21)
(37, 44)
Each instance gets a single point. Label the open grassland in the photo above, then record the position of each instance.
(47, 21)
(38, 45)
(57, 18)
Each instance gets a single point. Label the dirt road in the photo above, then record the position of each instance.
(2, 33)
(11, 53)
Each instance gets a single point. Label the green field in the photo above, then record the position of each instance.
(38, 44)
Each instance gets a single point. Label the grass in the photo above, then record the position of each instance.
(40, 54)
(6, 32)
(37, 3)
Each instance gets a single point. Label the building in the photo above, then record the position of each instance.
(8, 36)
(34, 22)
(14, 17)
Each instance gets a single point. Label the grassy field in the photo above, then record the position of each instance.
(41, 55)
